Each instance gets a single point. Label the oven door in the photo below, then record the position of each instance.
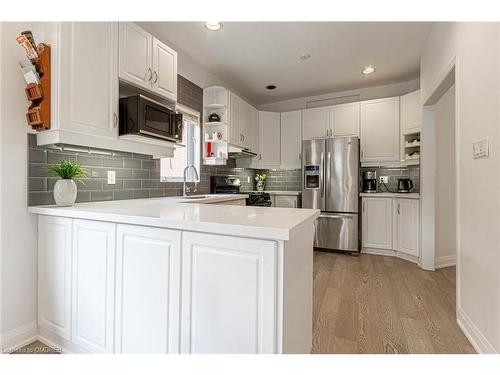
(157, 120)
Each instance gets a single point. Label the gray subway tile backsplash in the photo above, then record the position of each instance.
(412, 172)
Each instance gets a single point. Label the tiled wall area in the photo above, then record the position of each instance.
(283, 179)
(412, 172)
(137, 176)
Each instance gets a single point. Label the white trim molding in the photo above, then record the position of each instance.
(390, 253)
(445, 261)
(473, 333)
(18, 337)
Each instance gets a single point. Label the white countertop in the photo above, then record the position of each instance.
(210, 198)
(391, 195)
(173, 212)
(276, 192)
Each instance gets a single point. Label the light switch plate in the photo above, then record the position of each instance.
(481, 148)
(111, 177)
(384, 179)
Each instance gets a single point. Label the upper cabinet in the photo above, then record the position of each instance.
(340, 120)
(243, 123)
(380, 130)
(88, 78)
(291, 139)
(146, 62)
(345, 120)
(411, 113)
(234, 119)
(317, 123)
(269, 144)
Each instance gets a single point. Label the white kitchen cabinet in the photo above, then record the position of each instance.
(88, 78)
(93, 280)
(54, 275)
(234, 119)
(146, 62)
(147, 290)
(228, 294)
(377, 223)
(411, 113)
(407, 226)
(164, 79)
(289, 201)
(291, 139)
(269, 140)
(317, 123)
(135, 55)
(380, 130)
(252, 130)
(345, 119)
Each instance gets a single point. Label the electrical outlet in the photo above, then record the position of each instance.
(384, 179)
(481, 148)
(111, 177)
(248, 179)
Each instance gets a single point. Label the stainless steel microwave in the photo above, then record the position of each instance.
(140, 115)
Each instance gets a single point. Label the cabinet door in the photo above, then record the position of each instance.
(317, 123)
(234, 119)
(147, 290)
(252, 129)
(411, 113)
(377, 223)
(93, 285)
(380, 130)
(346, 120)
(289, 201)
(269, 134)
(291, 139)
(228, 294)
(54, 275)
(408, 226)
(243, 110)
(135, 55)
(88, 77)
(164, 70)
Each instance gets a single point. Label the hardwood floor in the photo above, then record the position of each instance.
(376, 304)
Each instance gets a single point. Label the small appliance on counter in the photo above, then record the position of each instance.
(259, 199)
(369, 182)
(225, 185)
(405, 185)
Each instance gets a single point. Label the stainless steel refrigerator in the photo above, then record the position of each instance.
(331, 182)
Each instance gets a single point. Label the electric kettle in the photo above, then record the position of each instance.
(405, 185)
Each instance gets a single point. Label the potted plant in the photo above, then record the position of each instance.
(65, 189)
(261, 181)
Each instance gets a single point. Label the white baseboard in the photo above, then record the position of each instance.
(16, 338)
(475, 336)
(389, 253)
(445, 261)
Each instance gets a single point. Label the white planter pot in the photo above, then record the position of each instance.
(65, 192)
(261, 185)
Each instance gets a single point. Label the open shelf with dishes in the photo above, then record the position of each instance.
(215, 128)
(411, 148)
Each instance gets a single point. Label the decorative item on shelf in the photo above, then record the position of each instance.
(261, 181)
(36, 73)
(214, 117)
(65, 189)
(209, 150)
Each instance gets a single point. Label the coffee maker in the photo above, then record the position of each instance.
(369, 182)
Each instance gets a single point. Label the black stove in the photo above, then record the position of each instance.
(224, 185)
(262, 199)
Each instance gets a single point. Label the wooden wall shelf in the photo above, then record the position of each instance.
(38, 115)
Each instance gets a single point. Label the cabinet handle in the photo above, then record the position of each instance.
(362, 154)
(115, 120)
(399, 211)
(150, 74)
(156, 77)
(363, 206)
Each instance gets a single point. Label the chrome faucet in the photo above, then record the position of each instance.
(187, 189)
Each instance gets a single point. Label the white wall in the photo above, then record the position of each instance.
(384, 91)
(475, 47)
(445, 179)
(17, 226)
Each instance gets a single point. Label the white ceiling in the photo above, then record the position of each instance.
(251, 55)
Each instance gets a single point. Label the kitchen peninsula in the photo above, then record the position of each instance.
(172, 275)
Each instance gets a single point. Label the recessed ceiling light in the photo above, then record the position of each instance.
(270, 87)
(213, 25)
(368, 69)
(305, 56)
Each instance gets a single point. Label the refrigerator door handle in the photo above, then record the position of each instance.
(322, 174)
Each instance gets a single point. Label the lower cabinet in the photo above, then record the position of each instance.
(290, 201)
(391, 224)
(147, 290)
(228, 294)
(93, 280)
